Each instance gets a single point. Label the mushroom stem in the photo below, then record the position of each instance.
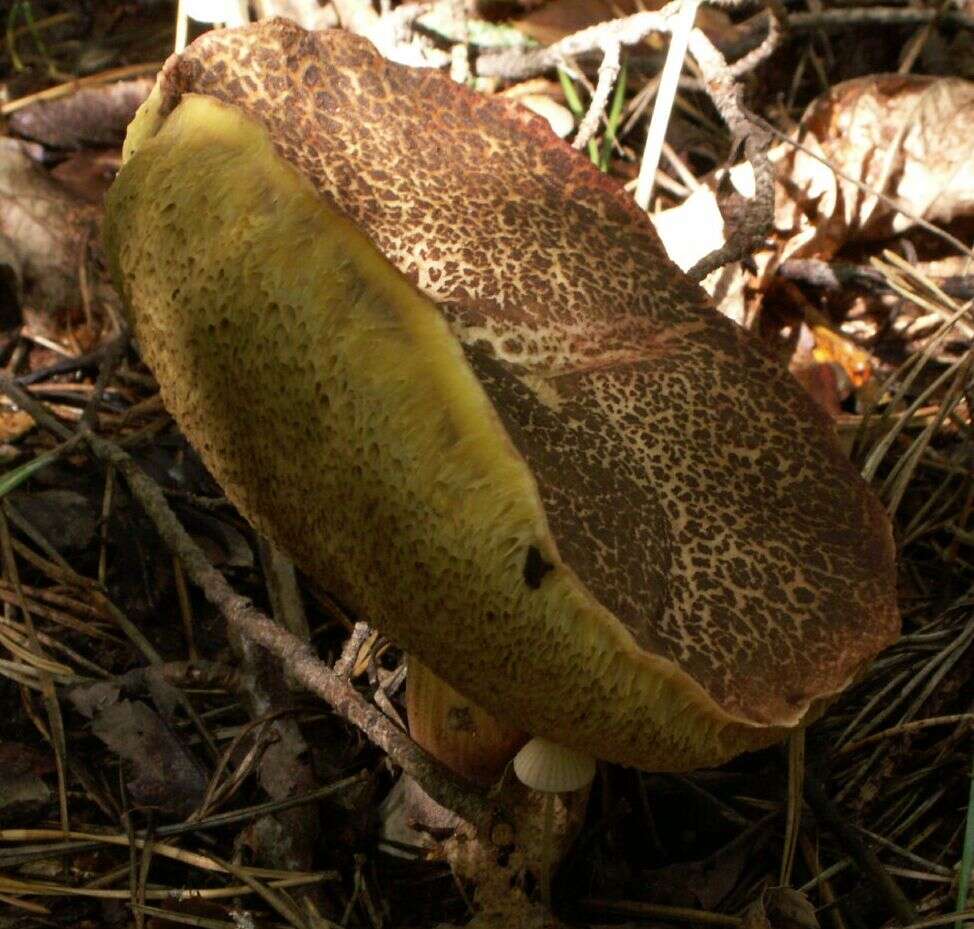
(456, 731)
(547, 825)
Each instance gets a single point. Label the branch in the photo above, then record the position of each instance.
(608, 73)
(517, 64)
(727, 96)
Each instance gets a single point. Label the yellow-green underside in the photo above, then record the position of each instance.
(334, 405)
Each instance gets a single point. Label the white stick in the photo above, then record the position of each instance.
(239, 14)
(182, 26)
(665, 94)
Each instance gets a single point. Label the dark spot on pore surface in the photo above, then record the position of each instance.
(535, 568)
(460, 719)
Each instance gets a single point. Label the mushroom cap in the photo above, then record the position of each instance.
(446, 365)
(551, 768)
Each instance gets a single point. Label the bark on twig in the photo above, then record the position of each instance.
(608, 73)
(758, 213)
(517, 64)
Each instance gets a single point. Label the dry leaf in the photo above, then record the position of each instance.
(64, 517)
(95, 116)
(164, 775)
(22, 791)
(781, 908)
(910, 137)
(44, 223)
(89, 174)
(14, 424)
(704, 884)
(832, 347)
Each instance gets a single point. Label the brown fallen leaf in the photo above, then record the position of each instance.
(910, 137)
(64, 517)
(93, 116)
(703, 884)
(164, 775)
(781, 908)
(89, 174)
(833, 348)
(22, 791)
(45, 225)
(14, 424)
(824, 360)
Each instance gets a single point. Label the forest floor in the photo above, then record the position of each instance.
(153, 768)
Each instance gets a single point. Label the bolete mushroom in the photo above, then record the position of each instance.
(445, 364)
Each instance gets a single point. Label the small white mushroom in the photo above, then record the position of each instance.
(551, 769)
(548, 767)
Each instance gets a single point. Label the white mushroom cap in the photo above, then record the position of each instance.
(551, 768)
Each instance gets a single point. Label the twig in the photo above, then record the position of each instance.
(746, 51)
(517, 64)
(67, 365)
(870, 866)
(114, 353)
(757, 214)
(905, 728)
(71, 87)
(837, 20)
(353, 645)
(608, 74)
(778, 24)
(460, 50)
(295, 655)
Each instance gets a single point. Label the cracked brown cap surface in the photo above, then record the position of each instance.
(687, 489)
